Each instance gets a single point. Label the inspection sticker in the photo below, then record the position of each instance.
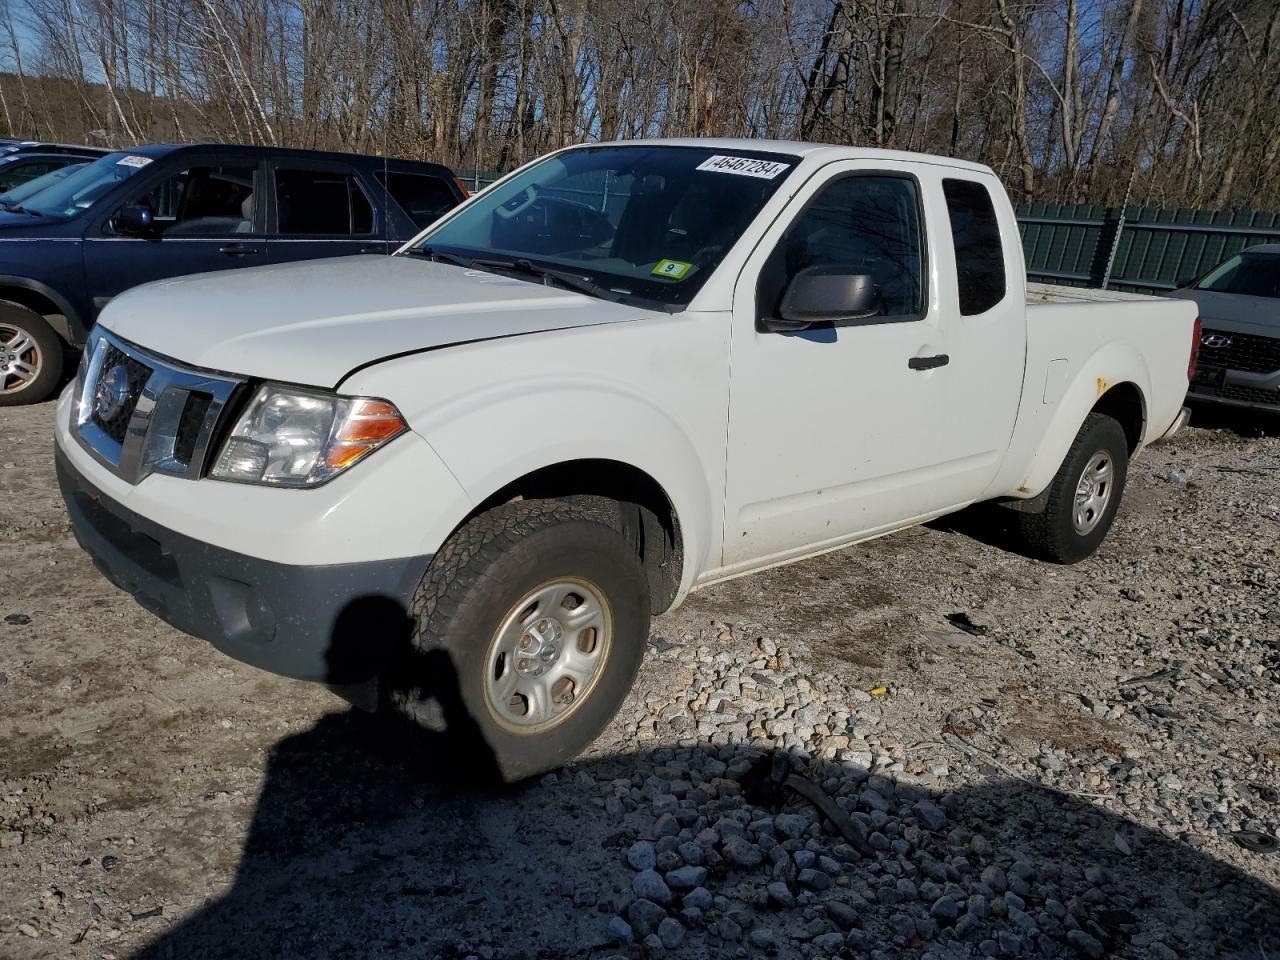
(133, 161)
(744, 166)
(675, 269)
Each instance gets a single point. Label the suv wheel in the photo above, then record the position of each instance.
(30, 356)
(1084, 495)
(541, 612)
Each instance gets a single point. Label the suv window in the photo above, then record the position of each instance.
(423, 197)
(325, 202)
(206, 201)
(975, 232)
(865, 225)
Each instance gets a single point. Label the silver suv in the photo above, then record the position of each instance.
(1239, 304)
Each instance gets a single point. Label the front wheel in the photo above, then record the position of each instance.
(1084, 495)
(530, 627)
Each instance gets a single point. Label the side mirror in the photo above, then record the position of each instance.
(135, 220)
(824, 294)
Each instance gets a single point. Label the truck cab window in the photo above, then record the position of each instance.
(975, 232)
(864, 225)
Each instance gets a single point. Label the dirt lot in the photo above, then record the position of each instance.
(1069, 777)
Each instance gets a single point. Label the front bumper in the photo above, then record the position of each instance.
(337, 623)
(1238, 388)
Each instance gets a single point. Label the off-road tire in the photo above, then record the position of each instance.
(49, 347)
(1051, 535)
(485, 568)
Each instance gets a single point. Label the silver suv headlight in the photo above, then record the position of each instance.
(294, 437)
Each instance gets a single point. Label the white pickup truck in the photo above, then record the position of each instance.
(622, 373)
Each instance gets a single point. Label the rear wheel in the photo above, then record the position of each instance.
(1084, 495)
(30, 356)
(530, 628)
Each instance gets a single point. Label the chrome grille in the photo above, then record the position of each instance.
(140, 414)
(135, 377)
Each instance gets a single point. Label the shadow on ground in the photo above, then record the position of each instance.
(367, 843)
(1249, 424)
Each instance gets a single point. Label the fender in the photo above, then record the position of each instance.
(74, 330)
(539, 422)
(1112, 364)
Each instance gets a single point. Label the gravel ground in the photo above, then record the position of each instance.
(818, 761)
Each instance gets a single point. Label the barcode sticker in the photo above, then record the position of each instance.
(744, 166)
(133, 160)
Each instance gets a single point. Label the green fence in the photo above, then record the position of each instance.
(1147, 250)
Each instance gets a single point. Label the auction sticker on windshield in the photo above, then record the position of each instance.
(133, 161)
(744, 166)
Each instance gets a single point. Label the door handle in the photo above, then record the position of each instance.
(928, 363)
(373, 248)
(238, 250)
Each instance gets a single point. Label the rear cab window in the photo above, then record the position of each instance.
(422, 197)
(975, 233)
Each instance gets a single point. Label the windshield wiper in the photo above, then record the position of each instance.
(439, 256)
(548, 276)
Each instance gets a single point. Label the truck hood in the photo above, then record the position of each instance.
(314, 322)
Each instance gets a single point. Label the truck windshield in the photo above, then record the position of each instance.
(631, 223)
(1250, 274)
(82, 189)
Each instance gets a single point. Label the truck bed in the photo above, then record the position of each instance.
(1055, 293)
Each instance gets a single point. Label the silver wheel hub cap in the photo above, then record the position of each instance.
(547, 655)
(1093, 492)
(20, 358)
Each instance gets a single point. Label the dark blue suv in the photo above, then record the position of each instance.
(161, 211)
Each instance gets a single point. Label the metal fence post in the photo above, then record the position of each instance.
(1115, 241)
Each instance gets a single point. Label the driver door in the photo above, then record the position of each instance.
(207, 217)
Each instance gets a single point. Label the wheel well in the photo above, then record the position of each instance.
(38, 302)
(1124, 403)
(637, 504)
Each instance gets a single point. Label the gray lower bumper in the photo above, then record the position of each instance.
(336, 623)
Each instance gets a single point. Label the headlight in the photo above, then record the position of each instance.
(293, 437)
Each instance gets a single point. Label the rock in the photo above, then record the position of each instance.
(649, 885)
(994, 878)
(644, 916)
(653, 945)
(791, 825)
(27, 930)
(699, 898)
(740, 852)
(779, 895)
(641, 855)
(691, 853)
(670, 932)
(619, 931)
(686, 878)
(763, 939)
(1084, 944)
(804, 858)
(944, 910)
(842, 915)
(829, 942)
(813, 879)
(930, 814)
(666, 826)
